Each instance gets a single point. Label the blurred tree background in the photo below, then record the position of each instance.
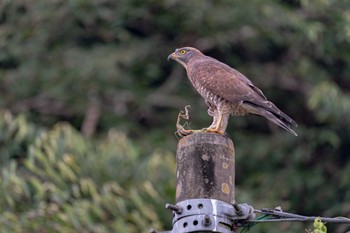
(89, 104)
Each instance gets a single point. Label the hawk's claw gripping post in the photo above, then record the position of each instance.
(209, 130)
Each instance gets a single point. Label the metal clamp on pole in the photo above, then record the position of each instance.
(198, 215)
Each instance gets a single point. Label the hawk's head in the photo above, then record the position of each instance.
(184, 55)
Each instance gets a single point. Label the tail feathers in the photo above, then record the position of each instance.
(279, 120)
(273, 114)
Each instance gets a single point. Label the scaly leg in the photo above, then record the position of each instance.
(215, 120)
(219, 123)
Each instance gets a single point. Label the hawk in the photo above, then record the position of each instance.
(226, 91)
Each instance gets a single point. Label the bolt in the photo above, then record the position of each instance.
(238, 209)
(207, 220)
(174, 208)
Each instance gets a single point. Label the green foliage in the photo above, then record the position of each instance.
(100, 66)
(70, 184)
(333, 107)
(319, 226)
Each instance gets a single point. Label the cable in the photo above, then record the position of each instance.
(285, 216)
(277, 215)
(307, 219)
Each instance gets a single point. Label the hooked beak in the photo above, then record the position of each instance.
(172, 56)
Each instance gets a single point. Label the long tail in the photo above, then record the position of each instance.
(273, 114)
(282, 121)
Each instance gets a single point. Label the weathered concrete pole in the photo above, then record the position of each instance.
(205, 167)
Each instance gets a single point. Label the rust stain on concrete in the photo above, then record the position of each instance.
(225, 188)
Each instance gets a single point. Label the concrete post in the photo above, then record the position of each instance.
(205, 167)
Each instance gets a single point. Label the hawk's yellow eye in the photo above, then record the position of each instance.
(182, 52)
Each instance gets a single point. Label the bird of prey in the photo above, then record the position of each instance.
(226, 91)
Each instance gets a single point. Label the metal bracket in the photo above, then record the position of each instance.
(197, 215)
